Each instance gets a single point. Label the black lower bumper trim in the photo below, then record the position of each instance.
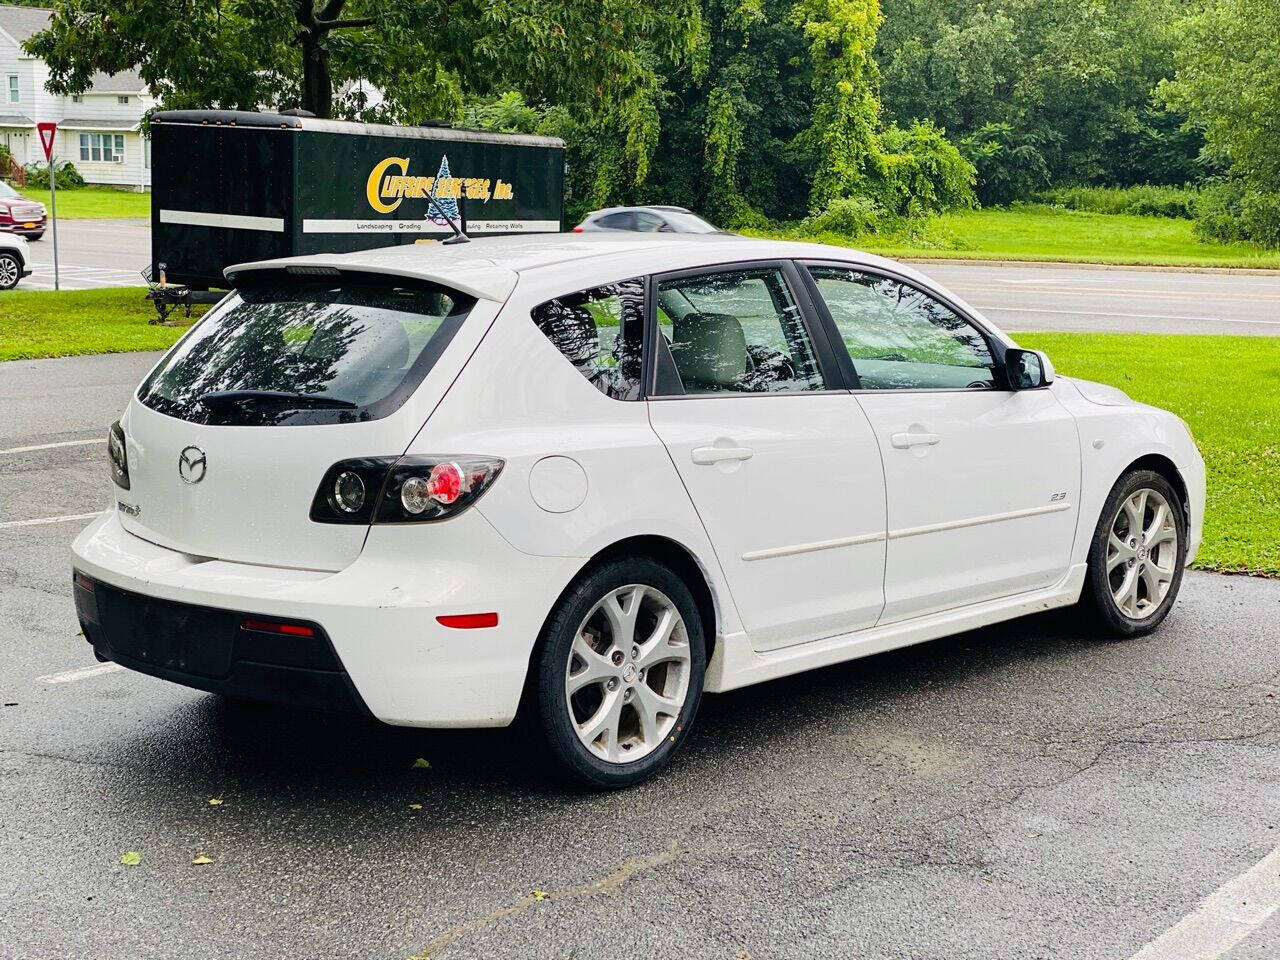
(211, 649)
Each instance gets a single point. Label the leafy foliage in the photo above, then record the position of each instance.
(1009, 164)
(68, 176)
(1041, 90)
(1150, 201)
(1228, 83)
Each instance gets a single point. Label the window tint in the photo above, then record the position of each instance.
(600, 332)
(284, 352)
(648, 222)
(737, 331)
(616, 221)
(901, 338)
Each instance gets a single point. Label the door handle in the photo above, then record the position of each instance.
(904, 441)
(704, 456)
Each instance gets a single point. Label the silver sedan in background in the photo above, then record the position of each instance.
(657, 219)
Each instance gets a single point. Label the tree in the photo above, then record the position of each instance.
(1228, 83)
(426, 56)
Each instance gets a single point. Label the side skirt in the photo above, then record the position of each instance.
(735, 664)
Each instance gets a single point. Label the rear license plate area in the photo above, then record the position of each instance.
(172, 636)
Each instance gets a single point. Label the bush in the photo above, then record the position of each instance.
(1146, 200)
(1010, 164)
(846, 216)
(1232, 211)
(68, 176)
(921, 172)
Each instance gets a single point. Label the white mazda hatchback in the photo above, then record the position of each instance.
(588, 477)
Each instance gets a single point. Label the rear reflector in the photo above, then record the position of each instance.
(469, 621)
(271, 626)
(83, 582)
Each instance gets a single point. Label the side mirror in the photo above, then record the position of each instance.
(1027, 369)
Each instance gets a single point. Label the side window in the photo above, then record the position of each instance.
(737, 331)
(900, 338)
(616, 221)
(600, 332)
(648, 222)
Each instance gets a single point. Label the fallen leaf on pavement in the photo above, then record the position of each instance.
(131, 859)
(201, 860)
(215, 801)
(415, 806)
(421, 764)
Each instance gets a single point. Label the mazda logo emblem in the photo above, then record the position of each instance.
(192, 464)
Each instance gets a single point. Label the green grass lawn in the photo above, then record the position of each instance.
(94, 203)
(36, 323)
(1228, 391)
(1036, 232)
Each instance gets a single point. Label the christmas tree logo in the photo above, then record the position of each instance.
(447, 205)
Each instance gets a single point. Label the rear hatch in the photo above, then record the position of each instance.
(230, 435)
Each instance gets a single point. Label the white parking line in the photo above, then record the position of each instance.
(1224, 918)
(42, 520)
(50, 446)
(84, 673)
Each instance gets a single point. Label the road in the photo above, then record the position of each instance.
(1022, 791)
(1022, 297)
(92, 253)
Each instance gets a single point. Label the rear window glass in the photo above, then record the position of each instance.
(305, 352)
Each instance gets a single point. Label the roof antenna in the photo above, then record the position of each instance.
(458, 235)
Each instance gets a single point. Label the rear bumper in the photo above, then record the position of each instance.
(378, 615)
(220, 651)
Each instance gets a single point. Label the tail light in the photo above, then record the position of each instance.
(118, 456)
(577, 229)
(412, 489)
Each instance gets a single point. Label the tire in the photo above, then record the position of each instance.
(35, 236)
(1141, 564)
(619, 689)
(10, 271)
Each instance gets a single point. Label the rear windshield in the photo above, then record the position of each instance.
(290, 351)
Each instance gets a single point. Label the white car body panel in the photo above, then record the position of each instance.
(856, 546)
(1006, 527)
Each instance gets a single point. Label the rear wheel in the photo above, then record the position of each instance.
(10, 271)
(619, 673)
(35, 236)
(1135, 560)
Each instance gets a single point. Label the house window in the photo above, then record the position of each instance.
(13, 88)
(76, 98)
(122, 99)
(104, 147)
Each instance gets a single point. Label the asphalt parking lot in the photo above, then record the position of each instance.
(1021, 791)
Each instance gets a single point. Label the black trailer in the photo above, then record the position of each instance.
(231, 186)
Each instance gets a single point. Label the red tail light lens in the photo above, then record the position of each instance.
(403, 490)
(577, 229)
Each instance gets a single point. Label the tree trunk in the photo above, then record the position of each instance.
(317, 85)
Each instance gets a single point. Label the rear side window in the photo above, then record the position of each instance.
(289, 351)
(600, 332)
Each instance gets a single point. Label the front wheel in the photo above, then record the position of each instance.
(1136, 558)
(619, 673)
(10, 271)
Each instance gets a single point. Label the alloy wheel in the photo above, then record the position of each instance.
(8, 272)
(1142, 553)
(627, 678)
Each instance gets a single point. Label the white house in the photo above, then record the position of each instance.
(98, 130)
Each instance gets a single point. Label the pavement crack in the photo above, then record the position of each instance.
(611, 883)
